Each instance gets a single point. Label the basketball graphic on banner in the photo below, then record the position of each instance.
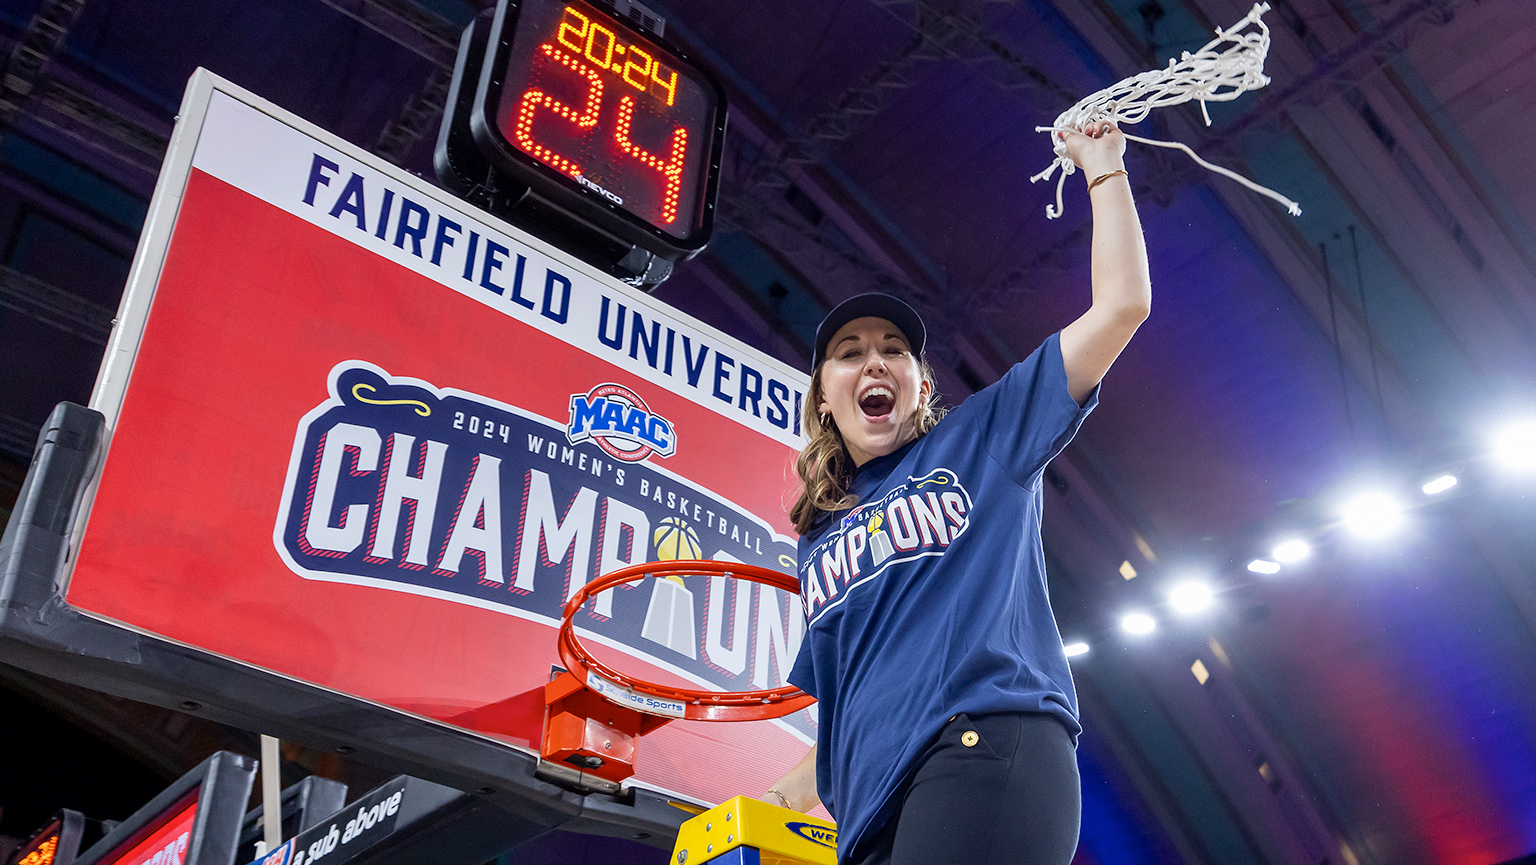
(675, 539)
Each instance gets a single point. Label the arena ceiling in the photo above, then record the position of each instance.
(1375, 704)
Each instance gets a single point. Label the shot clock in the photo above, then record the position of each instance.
(618, 114)
(578, 122)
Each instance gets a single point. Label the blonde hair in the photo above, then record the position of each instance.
(826, 468)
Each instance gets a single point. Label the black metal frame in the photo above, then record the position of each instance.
(71, 833)
(300, 807)
(555, 189)
(221, 785)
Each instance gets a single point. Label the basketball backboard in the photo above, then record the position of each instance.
(362, 441)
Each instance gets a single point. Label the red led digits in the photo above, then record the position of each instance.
(671, 168)
(534, 98)
(638, 172)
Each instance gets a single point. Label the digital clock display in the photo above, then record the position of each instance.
(612, 111)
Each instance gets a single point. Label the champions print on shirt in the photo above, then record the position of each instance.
(918, 518)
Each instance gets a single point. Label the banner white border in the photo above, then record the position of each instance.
(149, 260)
(165, 206)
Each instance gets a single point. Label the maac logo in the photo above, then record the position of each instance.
(620, 422)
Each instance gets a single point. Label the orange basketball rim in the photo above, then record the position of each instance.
(595, 715)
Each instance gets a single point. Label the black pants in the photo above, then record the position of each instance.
(990, 789)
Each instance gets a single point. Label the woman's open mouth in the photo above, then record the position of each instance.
(877, 402)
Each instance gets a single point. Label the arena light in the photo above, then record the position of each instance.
(1191, 596)
(1372, 514)
(1439, 485)
(1291, 551)
(1075, 649)
(1264, 566)
(1202, 675)
(1139, 624)
(1514, 446)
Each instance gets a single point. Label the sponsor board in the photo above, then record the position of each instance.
(346, 834)
(166, 844)
(283, 855)
(639, 702)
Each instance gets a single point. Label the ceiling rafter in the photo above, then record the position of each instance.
(18, 436)
(30, 56)
(418, 116)
(1338, 65)
(55, 307)
(973, 42)
(426, 34)
(850, 110)
(98, 125)
(1171, 172)
(756, 202)
(406, 23)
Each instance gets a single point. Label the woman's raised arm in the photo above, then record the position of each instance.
(1122, 285)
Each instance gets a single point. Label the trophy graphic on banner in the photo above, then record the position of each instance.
(669, 619)
(879, 542)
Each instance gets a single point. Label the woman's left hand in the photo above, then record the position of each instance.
(1097, 149)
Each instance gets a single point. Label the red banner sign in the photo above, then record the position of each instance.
(372, 440)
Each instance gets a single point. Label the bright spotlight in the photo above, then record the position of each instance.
(1075, 649)
(1138, 623)
(1515, 446)
(1439, 485)
(1191, 596)
(1264, 566)
(1289, 552)
(1373, 515)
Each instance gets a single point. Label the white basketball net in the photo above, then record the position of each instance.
(1228, 66)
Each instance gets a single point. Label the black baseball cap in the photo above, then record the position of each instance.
(889, 307)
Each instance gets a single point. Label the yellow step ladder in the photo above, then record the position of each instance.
(747, 831)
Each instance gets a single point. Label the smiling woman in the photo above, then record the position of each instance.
(872, 386)
(946, 705)
(859, 416)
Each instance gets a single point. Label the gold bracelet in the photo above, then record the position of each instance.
(1118, 172)
(783, 799)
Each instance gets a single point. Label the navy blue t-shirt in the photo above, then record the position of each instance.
(928, 598)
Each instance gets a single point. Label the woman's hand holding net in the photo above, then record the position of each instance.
(1228, 66)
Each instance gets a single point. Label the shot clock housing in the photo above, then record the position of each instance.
(576, 121)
